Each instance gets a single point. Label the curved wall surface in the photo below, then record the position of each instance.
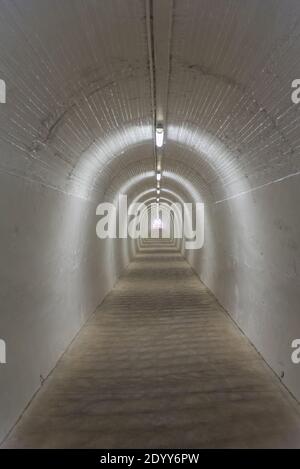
(77, 130)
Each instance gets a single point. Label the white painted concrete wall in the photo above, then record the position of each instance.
(54, 272)
(79, 112)
(251, 262)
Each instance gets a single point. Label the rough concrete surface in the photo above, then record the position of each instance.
(160, 364)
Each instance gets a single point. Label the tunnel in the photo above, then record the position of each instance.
(149, 341)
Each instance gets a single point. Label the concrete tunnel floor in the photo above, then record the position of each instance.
(159, 364)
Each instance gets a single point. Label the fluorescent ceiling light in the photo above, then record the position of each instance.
(159, 136)
(158, 191)
(158, 176)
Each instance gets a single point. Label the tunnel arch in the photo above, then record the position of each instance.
(78, 128)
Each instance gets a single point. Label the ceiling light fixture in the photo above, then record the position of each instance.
(159, 136)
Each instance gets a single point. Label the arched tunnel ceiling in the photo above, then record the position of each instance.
(79, 108)
(138, 176)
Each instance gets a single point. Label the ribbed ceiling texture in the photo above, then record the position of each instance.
(80, 99)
